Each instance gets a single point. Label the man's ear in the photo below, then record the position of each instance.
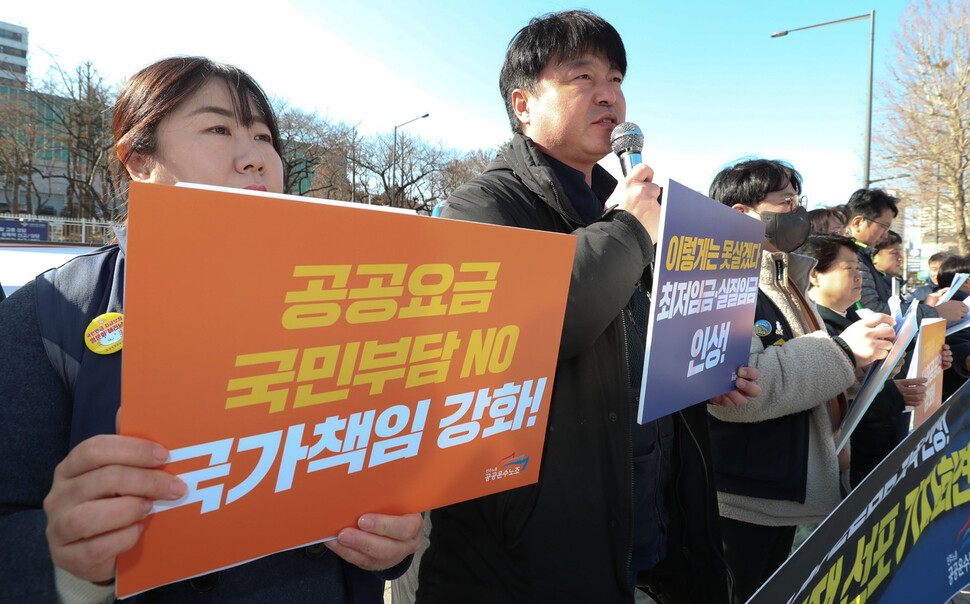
(855, 223)
(741, 208)
(139, 167)
(813, 278)
(521, 105)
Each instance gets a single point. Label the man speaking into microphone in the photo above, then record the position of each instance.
(617, 504)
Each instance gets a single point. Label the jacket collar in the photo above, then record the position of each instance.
(794, 266)
(121, 234)
(865, 250)
(529, 165)
(830, 316)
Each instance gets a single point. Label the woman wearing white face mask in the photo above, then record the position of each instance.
(181, 119)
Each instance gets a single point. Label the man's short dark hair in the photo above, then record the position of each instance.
(749, 182)
(892, 238)
(940, 256)
(555, 37)
(950, 267)
(871, 203)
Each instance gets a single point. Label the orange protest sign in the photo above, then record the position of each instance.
(309, 362)
(932, 336)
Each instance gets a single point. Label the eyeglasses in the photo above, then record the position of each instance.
(884, 226)
(791, 200)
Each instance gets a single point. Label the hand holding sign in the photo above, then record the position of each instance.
(747, 388)
(952, 311)
(100, 493)
(913, 391)
(947, 361)
(380, 542)
(936, 297)
(870, 339)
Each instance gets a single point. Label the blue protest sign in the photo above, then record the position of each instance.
(23, 230)
(705, 288)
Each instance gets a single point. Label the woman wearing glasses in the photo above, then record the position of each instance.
(836, 285)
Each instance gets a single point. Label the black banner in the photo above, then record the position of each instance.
(903, 535)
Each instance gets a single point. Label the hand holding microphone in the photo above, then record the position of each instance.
(627, 143)
(636, 193)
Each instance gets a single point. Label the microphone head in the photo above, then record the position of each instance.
(626, 138)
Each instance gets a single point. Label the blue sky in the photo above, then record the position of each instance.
(706, 82)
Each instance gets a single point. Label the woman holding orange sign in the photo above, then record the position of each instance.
(72, 492)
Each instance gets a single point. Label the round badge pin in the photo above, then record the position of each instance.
(762, 328)
(106, 333)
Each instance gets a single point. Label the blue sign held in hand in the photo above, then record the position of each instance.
(705, 286)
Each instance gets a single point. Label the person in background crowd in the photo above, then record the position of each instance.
(618, 505)
(843, 211)
(959, 341)
(836, 285)
(775, 462)
(872, 212)
(932, 285)
(73, 495)
(826, 220)
(888, 259)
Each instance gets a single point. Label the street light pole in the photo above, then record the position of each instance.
(937, 207)
(394, 155)
(872, 30)
(872, 35)
(875, 180)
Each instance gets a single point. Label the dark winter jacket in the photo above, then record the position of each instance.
(959, 341)
(568, 537)
(920, 293)
(883, 425)
(37, 402)
(773, 461)
(876, 290)
(889, 402)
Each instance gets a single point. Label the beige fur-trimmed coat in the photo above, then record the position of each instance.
(803, 373)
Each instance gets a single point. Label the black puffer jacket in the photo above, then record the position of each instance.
(568, 537)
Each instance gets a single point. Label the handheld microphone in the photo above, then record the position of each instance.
(627, 143)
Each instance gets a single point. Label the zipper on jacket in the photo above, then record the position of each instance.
(659, 450)
(710, 501)
(559, 205)
(668, 464)
(629, 444)
(788, 288)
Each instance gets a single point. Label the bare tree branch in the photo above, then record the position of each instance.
(927, 115)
